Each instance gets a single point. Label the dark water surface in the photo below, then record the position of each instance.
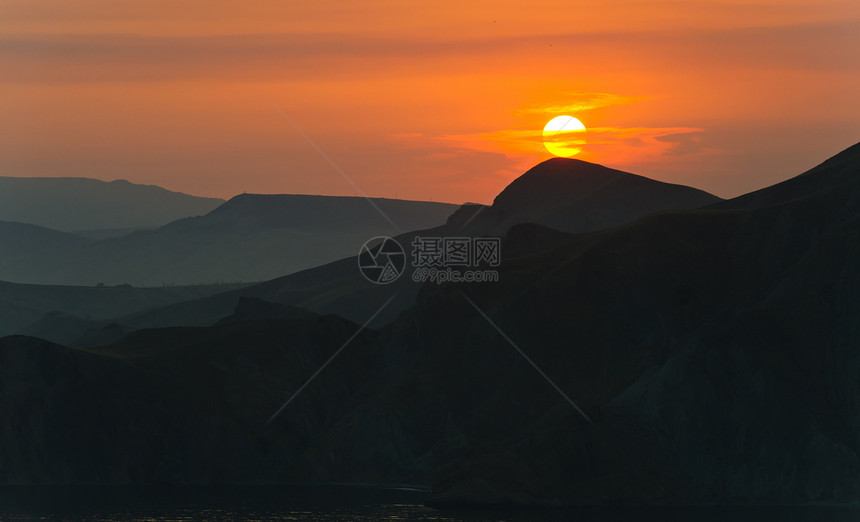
(330, 503)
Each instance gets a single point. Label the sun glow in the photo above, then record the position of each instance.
(563, 136)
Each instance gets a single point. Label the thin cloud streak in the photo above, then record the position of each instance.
(630, 144)
(581, 101)
(49, 57)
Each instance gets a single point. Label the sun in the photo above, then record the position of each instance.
(563, 136)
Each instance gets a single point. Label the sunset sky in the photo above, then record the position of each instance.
(439, 100)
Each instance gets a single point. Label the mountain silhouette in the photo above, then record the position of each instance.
(577, 196)
(171, 425)
(710, 348)
(706, 356)
(74, 204)
(339, 288)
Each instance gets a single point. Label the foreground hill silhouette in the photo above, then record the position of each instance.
(714, 351)
(252, 237)
(75, 204)
(739, 330)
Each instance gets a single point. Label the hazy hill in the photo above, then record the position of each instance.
(251, 213)
(249, 238)
(714, 352)
(71, 204)
(22, 305)
(21, 242)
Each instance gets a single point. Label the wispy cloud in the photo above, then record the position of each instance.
(575, 102)
(614, 145)
(622, 146)
(54, 56)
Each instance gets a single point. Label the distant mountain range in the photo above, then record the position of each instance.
(339, 288)
(74, 204)
(249, 238)
(260, 237)
(706, 355)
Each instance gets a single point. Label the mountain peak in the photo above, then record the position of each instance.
(576, 196)
(567, 180)
(566, 163)
(568, 167)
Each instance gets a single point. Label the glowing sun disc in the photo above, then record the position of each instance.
(562, 136)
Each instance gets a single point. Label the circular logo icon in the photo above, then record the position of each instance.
(381, 260)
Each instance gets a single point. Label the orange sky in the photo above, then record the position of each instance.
(440, 100)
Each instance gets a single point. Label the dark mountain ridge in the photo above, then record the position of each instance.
(714, 351)
(836, 171)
